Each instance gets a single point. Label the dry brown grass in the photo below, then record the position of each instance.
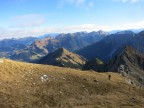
(21, 87)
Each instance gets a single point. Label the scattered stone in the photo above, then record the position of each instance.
(61, 92)
(64, 78)
(97, 82)
(85, 79)
(33, 83)
(5, 98)
(1, 61)
(129, 81)
(27, 91)
(44, 78)
(46, 106)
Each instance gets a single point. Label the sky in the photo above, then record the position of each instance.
(21, 18)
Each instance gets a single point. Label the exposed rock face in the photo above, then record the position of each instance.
(63, 58)
(129, 63)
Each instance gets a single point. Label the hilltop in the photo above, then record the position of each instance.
(25, 85)
(63, 58)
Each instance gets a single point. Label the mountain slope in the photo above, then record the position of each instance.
(7, 46)
(131, 62)
(70, 41)
(63, 58)
(110, 46)
(95, 64)
(26, 85)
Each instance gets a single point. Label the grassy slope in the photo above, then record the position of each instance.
(21, 87)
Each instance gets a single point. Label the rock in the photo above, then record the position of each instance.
(44, 78)
(1, 61)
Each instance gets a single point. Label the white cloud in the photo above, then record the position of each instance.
(9, 33)
(131, 1)
(81, 3)
(135, 25)
(29, 20)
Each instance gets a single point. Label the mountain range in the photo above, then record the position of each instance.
(98, 51)
(82, 70)
(110, 46)
(70, 41)
(101, 45)
(7, 46)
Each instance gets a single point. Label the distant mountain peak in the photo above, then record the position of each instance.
(125, 32)
(141, 33)
(102, 32)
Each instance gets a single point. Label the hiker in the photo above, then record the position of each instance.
(109, 77)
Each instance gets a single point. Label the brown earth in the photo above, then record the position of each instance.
(24, 85)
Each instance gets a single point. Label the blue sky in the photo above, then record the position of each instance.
(36, 17)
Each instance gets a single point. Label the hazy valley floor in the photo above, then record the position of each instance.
(24, 85)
